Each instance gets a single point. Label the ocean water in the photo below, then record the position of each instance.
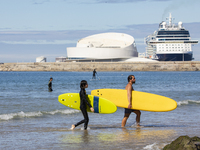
(32, 118)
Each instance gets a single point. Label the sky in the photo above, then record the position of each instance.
(33, 28)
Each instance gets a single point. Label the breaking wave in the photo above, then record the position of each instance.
(154, 146)
(187, 102)
(35, 114)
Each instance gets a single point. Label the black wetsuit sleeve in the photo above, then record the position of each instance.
(83, 98)
(49, 84)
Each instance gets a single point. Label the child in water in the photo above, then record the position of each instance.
(83, 107)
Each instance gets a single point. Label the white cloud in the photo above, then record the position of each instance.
(140, 41)
(39, 42)
(127, 1)
(39, 2)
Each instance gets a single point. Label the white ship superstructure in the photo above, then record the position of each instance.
(170, 43)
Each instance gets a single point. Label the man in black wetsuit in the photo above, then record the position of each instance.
(94, 73)
(50, 84)
(127, 111)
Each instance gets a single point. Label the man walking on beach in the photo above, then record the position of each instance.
(127, 111)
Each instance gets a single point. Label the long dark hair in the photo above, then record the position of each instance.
(83, 83)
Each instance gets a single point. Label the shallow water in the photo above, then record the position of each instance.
(32, 118)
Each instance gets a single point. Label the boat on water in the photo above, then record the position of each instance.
(170, 43)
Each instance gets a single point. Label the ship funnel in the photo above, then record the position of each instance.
(162, 25)
(180, 24)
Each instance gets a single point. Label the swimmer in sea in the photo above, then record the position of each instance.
(50, 84)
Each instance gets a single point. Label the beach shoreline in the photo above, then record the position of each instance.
(102, 66)
(32, 118)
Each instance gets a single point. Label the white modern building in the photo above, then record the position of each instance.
(104, 47)
(41, 59)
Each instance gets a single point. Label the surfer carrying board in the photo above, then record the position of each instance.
(83, 107)
(127, 111)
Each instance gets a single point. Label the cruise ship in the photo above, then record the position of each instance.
(170, 43)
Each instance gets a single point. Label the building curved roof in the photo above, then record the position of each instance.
(106, 40)
(104, 46)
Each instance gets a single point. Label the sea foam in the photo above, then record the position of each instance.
(154, 146)
(186, 102)
(35, 114)
(151, 147)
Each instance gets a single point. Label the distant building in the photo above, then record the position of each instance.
(104, 47)
(141, 55)
(41, 59)
(61, 59)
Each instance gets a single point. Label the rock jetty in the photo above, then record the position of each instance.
(102, 66)
(184, 143)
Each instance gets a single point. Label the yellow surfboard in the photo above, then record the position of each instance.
(100, 105)
(140, 100)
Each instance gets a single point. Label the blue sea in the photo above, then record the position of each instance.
(32, 118)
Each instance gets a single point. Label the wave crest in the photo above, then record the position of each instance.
(35, 114)
(154, 146)
(186, 102)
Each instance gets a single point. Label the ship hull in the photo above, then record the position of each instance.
(174, 57)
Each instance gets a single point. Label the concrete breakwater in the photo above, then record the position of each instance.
(102, 66)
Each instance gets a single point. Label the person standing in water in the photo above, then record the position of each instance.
(50, 84)
(94, 74)
(127, 111)
(83, 106)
